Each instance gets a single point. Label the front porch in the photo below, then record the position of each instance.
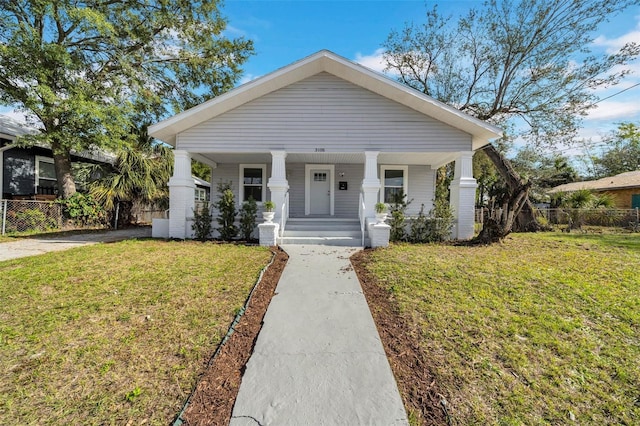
(324, 197)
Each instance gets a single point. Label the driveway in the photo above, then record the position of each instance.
(38, 245)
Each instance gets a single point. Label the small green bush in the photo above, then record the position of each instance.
(83, 209)
(248, 218)
(398, 217)
(201, 225)
(226, 205)
(34, 220)
(434, 226)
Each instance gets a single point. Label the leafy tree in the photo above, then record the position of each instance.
(200, 170)
(544, 171)
(622, 153)
(140, 174)
(517, 64)
(86, 72)
(489, 182)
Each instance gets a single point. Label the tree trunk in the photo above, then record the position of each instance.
(502, 221)
(62, 164)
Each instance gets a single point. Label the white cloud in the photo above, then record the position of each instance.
(374, 61)
(615, 110)
(614, 44)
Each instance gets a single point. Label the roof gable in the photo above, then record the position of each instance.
(325, 61)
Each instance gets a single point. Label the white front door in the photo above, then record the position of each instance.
(319, 191)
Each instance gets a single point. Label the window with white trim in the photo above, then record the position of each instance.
(253, 182)
(394, 182)
(45, 174)
(201, 194)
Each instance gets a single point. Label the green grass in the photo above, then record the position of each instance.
(541, 329)
(115, 333)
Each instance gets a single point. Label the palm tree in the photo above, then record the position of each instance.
(139, 175)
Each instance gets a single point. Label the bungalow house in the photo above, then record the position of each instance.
(325, 139)
(624, 188)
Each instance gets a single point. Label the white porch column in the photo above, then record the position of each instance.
(181, 195)
(278, 184)
(370, 183)
(463, 196)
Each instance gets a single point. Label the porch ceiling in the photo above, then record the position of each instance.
(434, 159)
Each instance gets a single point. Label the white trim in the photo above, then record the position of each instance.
(405, 179)
(200, 194)
(241, 182)
(307, 185)
(38, 159)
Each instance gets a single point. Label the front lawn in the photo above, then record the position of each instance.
(115, 333)
(542, 329)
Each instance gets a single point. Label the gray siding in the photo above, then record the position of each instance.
(421, 187)
(295, 176)
(324, 112)
(346, 202)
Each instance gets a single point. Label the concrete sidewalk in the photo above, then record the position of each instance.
(318, 359)
(24, 247)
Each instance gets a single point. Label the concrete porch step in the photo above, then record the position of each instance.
(329, 241)
(327, 231)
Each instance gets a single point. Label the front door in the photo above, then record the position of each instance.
(319, 191)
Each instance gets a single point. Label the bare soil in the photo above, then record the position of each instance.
(410, 364)
(212, 401)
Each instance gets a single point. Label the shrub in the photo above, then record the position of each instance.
(34, 220)
(83, 209)
(248, 218)
(201, 226)
(398, 217)
(434, 226)
(441, 221)
(226, 205)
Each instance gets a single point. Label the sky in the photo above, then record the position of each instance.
(286, 31)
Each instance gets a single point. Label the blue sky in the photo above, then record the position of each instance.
(285, 31)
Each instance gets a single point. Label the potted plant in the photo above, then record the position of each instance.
(381, 212)
(269, 211)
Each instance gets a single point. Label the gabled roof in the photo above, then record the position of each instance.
(325, 61)
(14, 129)
(623, 180)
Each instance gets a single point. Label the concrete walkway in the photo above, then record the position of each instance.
(318, 359)
(24, 247)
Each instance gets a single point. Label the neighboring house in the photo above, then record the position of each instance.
(202, 190)
(325, 139)
(28, 172)
(623, 188)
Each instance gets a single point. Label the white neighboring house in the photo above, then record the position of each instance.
(325, 139)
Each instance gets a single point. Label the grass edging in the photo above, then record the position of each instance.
(179, 421)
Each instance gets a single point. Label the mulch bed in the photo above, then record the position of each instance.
(410, 364)
(214, 396)
(213, 399)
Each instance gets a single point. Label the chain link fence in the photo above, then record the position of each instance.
(30, 216)
(622, 220)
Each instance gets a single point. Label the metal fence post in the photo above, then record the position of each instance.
(4, 216)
